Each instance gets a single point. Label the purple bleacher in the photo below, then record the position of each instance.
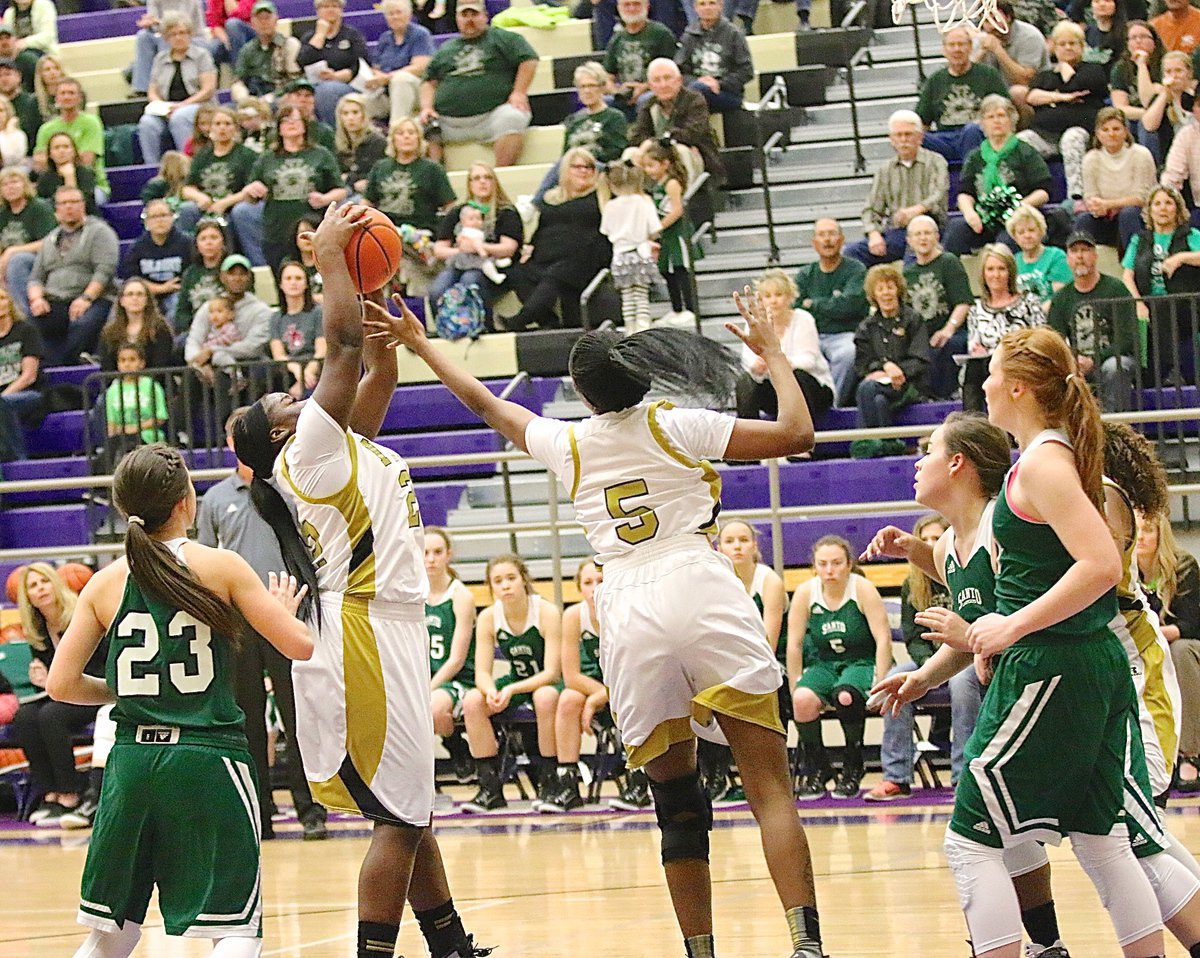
(46, 526)
(918, 414)
(460, 442)
(125, 218)
(20, 471)
(820, 483)
(67, 375)
(800, 534)
(127, 181)
(61, 433)
(432, 406)
(436, 499)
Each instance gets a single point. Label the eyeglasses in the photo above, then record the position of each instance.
(587, 86)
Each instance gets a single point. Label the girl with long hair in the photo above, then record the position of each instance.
(684, 651)
(136, 319)
(296, 339)
(64, 168)
(668, 182)
(201, 280)
(170, 612)
(358, 146)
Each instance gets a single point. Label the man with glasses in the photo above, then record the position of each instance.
(72, 274)
(631, 50)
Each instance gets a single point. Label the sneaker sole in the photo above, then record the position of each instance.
(844, 798)
(869, 797)
(472, 809)
(624, 806)
(70, 821)
(811, 798)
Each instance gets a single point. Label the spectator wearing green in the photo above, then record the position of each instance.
(940, 294)
(477, 87)
(24, 219)
(217, 178)
(85, 129)
(135, 406)
(951, 97)
(1041, 269)
(630, 52)
(34, 23)
(1095, 314)
(301, 93)
(267, 63)
(24, 105)
(832, 290)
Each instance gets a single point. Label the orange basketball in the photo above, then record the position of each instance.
(75, 575)
(374, 251)
(13, 585)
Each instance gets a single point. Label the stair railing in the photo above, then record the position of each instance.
(505, 474)
(860, 161)
(774, 99)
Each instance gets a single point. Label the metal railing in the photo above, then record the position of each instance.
(916, 30)
(774, 99)
(860, 160)
(505, 475)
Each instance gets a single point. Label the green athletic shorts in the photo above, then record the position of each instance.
(520, 698)
(1049, 752)
(822, 678)
(457, 692)
(184, 817)
(1146, 832)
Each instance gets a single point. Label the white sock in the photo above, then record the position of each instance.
(232, 947)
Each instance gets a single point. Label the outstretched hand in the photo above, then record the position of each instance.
(402, 330)
(890, 694)
(759, 334)
(335, 230)
(890, 542)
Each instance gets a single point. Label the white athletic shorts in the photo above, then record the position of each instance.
(680, 640)
(362, 711)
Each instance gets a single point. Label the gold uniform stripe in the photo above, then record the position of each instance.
(665, 735)
(366, 696)
(756, 708)
(337, 499)
(708, 473)
(334, 795)
(574, 460)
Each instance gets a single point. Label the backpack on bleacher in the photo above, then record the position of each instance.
(120, 145)
(460, 314)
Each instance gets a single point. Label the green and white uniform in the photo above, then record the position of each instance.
(441, 622)
(972, 584)
(523, 646)
(179, 808)
(842, 640)
(1066, 684)
(589, 645)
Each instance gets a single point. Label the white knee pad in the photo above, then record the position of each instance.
(237, 947)
(117, 943)
(103, 737)
(985, 893)
(1174, 886)
(1123, 888)
(1025, 858)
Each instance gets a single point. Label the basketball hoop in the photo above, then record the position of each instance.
(948, 14)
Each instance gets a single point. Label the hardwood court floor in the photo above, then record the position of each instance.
(589, 885)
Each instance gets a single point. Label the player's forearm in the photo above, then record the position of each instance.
(943, 665)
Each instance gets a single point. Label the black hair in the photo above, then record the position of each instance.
(253, 446)
(614, 372)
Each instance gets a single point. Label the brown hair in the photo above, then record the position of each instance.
(445, 537)
(1041, 359)
(116, 330)
(920, 586)
(33, 622)
(753, 534)
(1130, 462)
(1004, 254)
(984, 445)
(512, 559)
(284, 112)
(1106, 114)
(841, 544)
(885, 272)
(148, 483)
(589, 561)
(1182, 216)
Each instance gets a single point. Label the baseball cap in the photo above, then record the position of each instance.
(261, 5)
(300, 83)
(236, 259)
(1079, 236)
(476, 5)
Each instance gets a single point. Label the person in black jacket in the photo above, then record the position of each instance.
(715, 58)
(340, 48)
(359, 147)
(891, 359)
(159, 256)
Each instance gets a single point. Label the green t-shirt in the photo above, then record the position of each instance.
(1039, 276)
(475, 76)
(936, 288)
(1096, 331)
(1162, 249)
(629, 54)
(289, 178)
(131, 403)
(410, 193)
(951, 102)
(29, 117)
(220, 176)
(602, 134)
(838, 302)
(32, 223)
(197, 286)
(88, 133)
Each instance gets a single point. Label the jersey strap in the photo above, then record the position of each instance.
(708, 473)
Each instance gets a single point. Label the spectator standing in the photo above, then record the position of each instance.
(64, 168)
(1041, 269)
(339, 48)
(20, 379)
(477, 87)
(1013, 47)
(1179, 26)
(676, 112)
(940, 294)
(136, 319)
(1133, 75)
(71, 276)
(832, 290)
(297, 339)
(149, 42)
(359, 147)
(915, 182)
(268, 62)
(85, 129)
(667, 180)
(230, 27)
(951, 98)
(1000, 308)
(715, 58)
(398, 67)
(34, 23)
(24, 219)
(227, 519)
(1117, 176)
(631, 50)
(631, 223)
(159, 255)
(1103, 335)
(217, 177)
(201, 279)
(891, 360)
(24, 105)
(182, 78)
(135, 406)
(595, 126)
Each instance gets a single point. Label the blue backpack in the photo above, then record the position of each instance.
(460, 314)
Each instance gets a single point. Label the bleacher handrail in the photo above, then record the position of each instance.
(774, 99)
(505, 474)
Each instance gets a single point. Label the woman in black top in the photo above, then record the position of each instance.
(358, 146)
(568, 247)
(63, 168)
(1065, 101)
(341, 47)
(136, 319)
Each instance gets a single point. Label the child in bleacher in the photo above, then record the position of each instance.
(222, 332)
(669, 181)
(168, 185)
(630, 221)
(135, 406)
(470, 225)
(527, 629)
(254, 120)
(838, 617)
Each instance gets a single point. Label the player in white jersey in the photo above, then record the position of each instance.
(364, 723)
(685, 648)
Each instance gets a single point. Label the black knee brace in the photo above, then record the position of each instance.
(684, 817)
(856, 711)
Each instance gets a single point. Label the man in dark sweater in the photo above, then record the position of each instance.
(715, 58)
(159, 256)
(832, 290)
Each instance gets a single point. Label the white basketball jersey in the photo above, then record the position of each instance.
(356, 509)
(637, 476)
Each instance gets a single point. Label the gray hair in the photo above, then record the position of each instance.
(924, 220)
(403, 4)
(904, 116)
(664, 62)
(590, 69)
(173, 20)
(996, 100)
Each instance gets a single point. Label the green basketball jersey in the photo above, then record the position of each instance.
(973, 584)
(167, 668)
(1033, 559)
(589, 645)
(441, 621)
(756, 587)
(842, 634)
(525, 649)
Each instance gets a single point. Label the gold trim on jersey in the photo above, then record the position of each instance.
(366, 695)
(347, 490)
(758, 709)
(708, 473)
(665, 734)
(333, 794)
(574, 460)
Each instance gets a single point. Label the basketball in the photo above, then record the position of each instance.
(374, 251)
(75, 575)
(13, 584)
